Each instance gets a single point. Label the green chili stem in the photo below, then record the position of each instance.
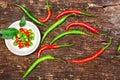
(59, 59)
(90, 15)
(65, 45)
(118, 50)
(110, 42)
(47, 5)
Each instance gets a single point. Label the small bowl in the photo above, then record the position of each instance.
(24, 51)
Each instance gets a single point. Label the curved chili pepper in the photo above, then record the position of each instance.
(118, 49)
(82, 24)
(52, 47)
(30, 15)
(71, 12)
(98, 53)
(53, 26)
(68, 33)
(37, 61)
(49, 14)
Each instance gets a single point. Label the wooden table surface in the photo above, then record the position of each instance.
(105, 67)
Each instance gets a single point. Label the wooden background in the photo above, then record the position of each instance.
(105, 67)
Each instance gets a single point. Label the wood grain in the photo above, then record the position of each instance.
(105, 67)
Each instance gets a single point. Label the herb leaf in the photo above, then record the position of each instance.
(8, 33)
(22, 21)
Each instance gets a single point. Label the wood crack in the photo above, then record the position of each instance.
(110, 5)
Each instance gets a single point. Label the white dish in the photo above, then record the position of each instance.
(24, 51)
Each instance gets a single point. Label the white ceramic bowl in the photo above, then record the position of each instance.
(24, 51)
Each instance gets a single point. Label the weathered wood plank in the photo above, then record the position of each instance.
(106, 67)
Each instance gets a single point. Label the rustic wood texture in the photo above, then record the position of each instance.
(105, 67)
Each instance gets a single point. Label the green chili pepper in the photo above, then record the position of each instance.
(53, 26)
(30, 15)
(118, 49)
(68, 33)
(37, 61)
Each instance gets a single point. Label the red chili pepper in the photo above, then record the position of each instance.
(20, 44)
(27, 44)
(82, 24)
(98, 53)
(16, 40)
(52, 47)
(27, 33)
(49, 14)
(21, 30)
(70, 12)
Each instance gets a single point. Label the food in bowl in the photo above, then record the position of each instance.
(24, 38)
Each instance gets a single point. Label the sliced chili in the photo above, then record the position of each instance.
(49, 14)
(71, 12)
(98, 53)
(52, 47)
(82, 24)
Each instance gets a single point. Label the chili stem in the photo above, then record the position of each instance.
(65, 45)
(110, 42)
(59, 59)
(89, 15)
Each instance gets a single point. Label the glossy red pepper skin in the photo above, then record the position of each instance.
(70, 12)
(49, 14)
(27, 44)
(20, 45)
(46, 47)
(82, 24)
(98, 53)
(52, 47)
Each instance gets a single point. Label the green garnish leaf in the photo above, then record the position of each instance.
(22, 21)
(8, 33)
